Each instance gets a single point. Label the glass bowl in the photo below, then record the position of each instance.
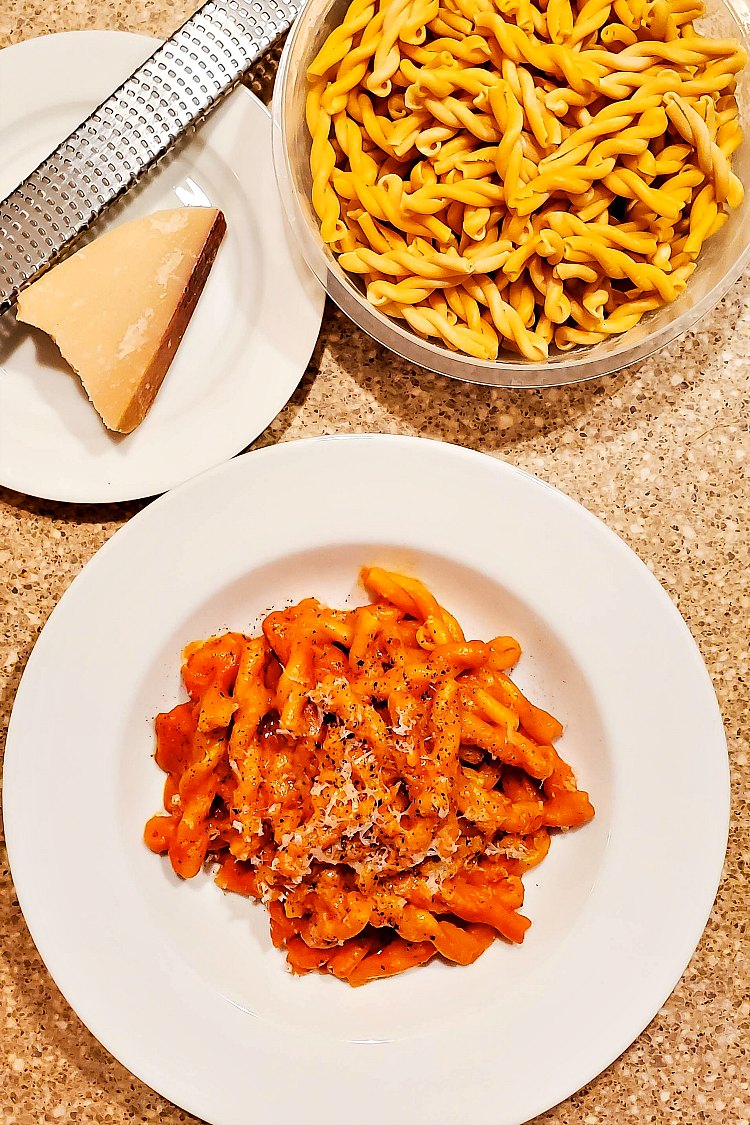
(721, 262)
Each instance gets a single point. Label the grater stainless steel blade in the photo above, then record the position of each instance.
(184, 79)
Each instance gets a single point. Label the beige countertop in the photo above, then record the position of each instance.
(659, 452)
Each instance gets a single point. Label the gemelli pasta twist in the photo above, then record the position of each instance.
(372, 776)
(504, 174)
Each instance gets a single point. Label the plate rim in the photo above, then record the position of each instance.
(600, 1058)
(97, 489)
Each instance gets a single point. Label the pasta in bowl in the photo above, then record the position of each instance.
(372, 776)
(517, 193)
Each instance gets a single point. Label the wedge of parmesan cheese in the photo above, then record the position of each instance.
(118, 308)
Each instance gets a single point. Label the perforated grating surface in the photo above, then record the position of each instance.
(135, 126)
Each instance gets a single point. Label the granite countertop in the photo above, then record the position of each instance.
(659, 452)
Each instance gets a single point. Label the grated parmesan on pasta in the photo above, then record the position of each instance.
(395, 827)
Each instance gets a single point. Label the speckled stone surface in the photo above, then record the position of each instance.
(660, 453)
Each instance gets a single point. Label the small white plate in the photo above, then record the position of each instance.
(180, 982)
(254, 328)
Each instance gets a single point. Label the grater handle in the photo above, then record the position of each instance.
(175, 88)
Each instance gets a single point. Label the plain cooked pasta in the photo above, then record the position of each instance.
(372, 776)
(502, 174)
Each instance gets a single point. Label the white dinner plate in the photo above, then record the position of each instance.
(251, 335)
(179, 981)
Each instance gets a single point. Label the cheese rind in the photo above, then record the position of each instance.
(118, 308)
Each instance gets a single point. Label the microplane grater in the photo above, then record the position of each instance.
(135, 126)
